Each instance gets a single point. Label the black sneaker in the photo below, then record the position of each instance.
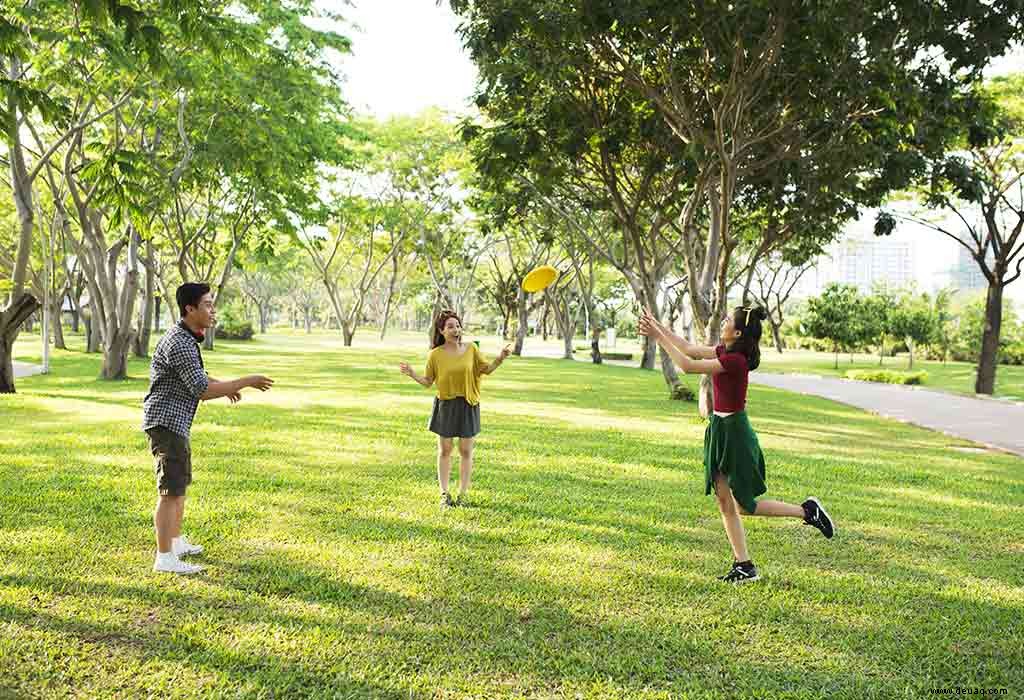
(816, 516)
(741, 572)
(446, 500)
(462, 501)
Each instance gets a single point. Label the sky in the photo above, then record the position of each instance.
(407, 56)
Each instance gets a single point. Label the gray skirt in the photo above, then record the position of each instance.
(453, 418)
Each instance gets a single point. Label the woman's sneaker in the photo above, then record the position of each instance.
(170, 564)
(446, 500)
(741, 572)
(816, 516)
(183, 548)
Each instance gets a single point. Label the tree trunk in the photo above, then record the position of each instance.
(777, 335)
(120, 311)
(504, 324)
(348, 332)
(390, 297)
(595, 345)
(910, 348)
(11, 320)
(985, 383)
(647, 355)
(21, 188)
(264, 312)
(56, 323)
(115, 355)
(524, 317)
(668, 369)
(142, 338)
(309, 321)
(92, 330)
(219, 293)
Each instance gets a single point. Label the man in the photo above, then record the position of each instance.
(177, 383)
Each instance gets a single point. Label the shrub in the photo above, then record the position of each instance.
(681, 392)
(886, 376)
(1012, 353)
(235, 330)
(233, 322)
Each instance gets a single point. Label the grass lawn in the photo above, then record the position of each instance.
(585, 567)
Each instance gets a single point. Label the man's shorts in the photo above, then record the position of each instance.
(173, 461)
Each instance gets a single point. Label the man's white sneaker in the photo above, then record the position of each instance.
(183, 548)
(173, 565)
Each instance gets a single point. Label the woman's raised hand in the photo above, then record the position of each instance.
(405, 368)
(647, 324)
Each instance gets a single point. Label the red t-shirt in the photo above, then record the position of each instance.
(730, 386)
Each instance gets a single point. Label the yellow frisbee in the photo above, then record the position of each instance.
(539, 278)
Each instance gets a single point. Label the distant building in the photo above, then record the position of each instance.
(863, 263)
(966, 275)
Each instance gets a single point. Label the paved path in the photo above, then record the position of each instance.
(990, 422)
(24, 370)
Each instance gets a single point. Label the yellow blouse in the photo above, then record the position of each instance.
(457, 375)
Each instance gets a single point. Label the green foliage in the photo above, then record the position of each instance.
(966, 339)
(834, 317)
(233, 322)
(679, 392)
(887, 376)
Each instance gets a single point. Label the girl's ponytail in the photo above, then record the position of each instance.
(747, 321)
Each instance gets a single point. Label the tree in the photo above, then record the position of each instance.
(912, 320)
(984, 175)
(350, 255)
(744, 92)
(776, 279)
(942, 330)
(597, 161)
(971, 324)
(121, 168)
(832, 317)
(876, 324)
(31, 69)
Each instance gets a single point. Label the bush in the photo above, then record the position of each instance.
(886, 376)
(233, 323)
(1013, 353)
(616, 355)
(681, 392)
(797, 342)
(235, 330)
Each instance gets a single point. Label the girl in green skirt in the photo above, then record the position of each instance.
(455, 367)
(733, 462)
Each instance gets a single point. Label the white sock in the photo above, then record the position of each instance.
(176, 544)
(166, 557)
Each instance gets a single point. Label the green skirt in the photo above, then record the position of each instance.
(731, 449)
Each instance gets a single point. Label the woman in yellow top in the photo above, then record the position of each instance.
(456, 368)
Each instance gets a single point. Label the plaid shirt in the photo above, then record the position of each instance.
(176, 381)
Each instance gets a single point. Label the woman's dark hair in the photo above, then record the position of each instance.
(437, 339)
(747, 321)
(189, 294)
